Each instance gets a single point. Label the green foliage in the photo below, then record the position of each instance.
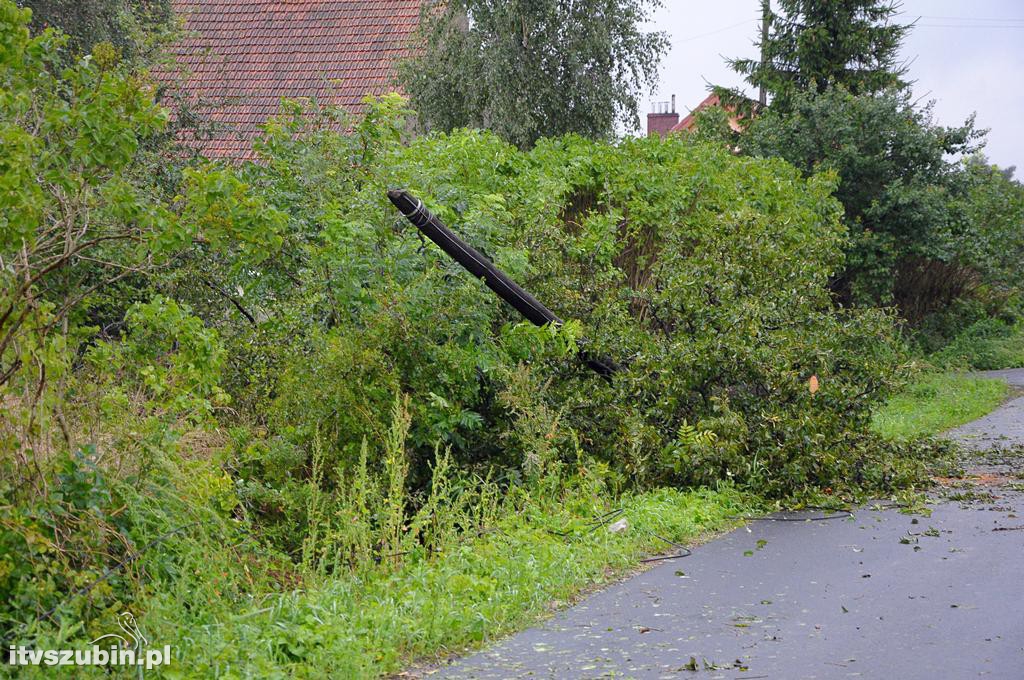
(936, 402)
(91, 429)
(993, 242)
(705, 274)
(169, 360)
(936, 237)
(47, 544)
(988, 344)
(815, 45)
(288, 389)
(981, 283)
(83, 213)
(83, 552)
(530, 70)
(221, 212)
(509, 571)
(133, 29)
(900, 192)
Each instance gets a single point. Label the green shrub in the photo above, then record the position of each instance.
(901, 189)
(988, 344)
(705, 275)
(59, 543)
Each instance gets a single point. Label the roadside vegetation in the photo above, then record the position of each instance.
(493, 576)
(947, 394)
(936, 402)
(986, 345)
(249, 404)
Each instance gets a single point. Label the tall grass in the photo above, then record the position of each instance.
(936, 402)
(383, 580)
(378, 621)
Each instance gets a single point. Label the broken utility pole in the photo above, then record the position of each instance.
(482, 268)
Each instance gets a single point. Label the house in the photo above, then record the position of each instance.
(241, 57)
(664, 119)
(712, 99)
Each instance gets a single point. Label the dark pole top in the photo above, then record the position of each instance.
(466, 255)
(482, 268)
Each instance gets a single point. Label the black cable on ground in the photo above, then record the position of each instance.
(683, 551)
(609, 517)
(836, 514)
(886, 505)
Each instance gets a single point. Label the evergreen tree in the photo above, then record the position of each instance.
(532, 69)
(812, 44)
(898, 183)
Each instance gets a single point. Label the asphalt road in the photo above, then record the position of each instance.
(1004, 427)
(878, 595)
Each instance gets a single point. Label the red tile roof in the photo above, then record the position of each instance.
(688, 123)
(242, 56)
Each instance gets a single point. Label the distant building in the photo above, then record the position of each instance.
(712, 99)
(664, 118)
(241, 57)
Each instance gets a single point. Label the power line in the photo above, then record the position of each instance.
(717, 31)
(967, 26)
(994, 19)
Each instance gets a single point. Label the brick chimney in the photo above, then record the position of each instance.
(663, 118)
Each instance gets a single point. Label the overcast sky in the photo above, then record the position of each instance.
(967, 55)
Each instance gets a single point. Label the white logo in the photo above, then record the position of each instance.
(127, 623)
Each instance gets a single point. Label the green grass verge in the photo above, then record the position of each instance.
(382, 620)
(937, 402)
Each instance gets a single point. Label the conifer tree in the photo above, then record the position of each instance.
(813, 44)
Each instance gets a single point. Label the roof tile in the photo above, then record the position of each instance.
(241, 57)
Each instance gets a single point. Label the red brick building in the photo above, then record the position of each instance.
(241, 57)
(712, 99)
(665, 119)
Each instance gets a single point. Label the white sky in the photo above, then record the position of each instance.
(968, 55)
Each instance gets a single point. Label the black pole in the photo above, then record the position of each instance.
(482, 268)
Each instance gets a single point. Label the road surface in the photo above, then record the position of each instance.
(879, 595)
